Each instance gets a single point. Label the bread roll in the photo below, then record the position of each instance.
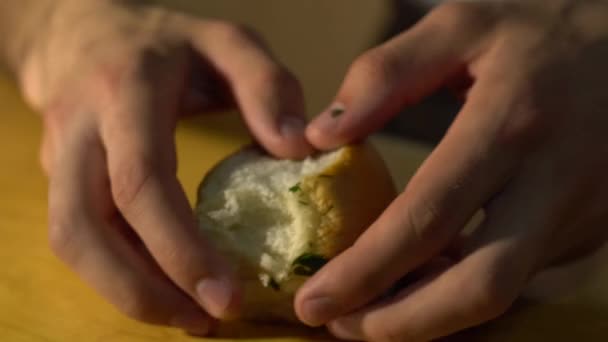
(281, 220)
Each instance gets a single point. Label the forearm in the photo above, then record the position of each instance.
(21, 22)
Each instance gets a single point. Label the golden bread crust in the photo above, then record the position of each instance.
(348, 195)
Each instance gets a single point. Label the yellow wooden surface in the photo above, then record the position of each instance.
(40, 300)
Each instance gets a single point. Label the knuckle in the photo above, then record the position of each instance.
(520, 129)
(152, 60)
(137, 303)
(525, 122)
(129, 179)
(59, 238)
(234, 31)
(62, 234)
(377, 67)
(45, 153)
(459, 13)
(182, 264)
(458, 9)
(175, 258)
(55, 117)
(147, 57)
(493, 296)
(106, 80)
(424, 220)
(387, 334)
(272, 78)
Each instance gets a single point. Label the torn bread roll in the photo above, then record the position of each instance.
(281, 220)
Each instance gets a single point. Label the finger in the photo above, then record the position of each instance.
(432, 267)
(477, 289)
(474, 159)
(503, 254)
(400, 72)
(45, 154)
(138, 137)
(84, 236)
(268, 95)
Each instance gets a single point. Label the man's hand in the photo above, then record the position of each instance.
(111, 79)
(529, 147)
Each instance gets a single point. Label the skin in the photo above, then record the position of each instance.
(110, 94)
(529, 148)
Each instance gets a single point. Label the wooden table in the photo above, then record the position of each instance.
(41, 300)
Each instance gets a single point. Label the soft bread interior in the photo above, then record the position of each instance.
(253, 207)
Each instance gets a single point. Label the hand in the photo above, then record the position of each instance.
(529, 147)
(111, 79)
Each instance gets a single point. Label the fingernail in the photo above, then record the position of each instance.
(215, 295)
(192, 322)
(318, 311)
(340, 331)
(292, 126)
(328, 120)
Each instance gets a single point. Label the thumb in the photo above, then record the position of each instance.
(399, 72)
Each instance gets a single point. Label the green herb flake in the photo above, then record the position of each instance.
(336, 111)
(295, 188)
(274, 285)
(308, 264)
(303, 203)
